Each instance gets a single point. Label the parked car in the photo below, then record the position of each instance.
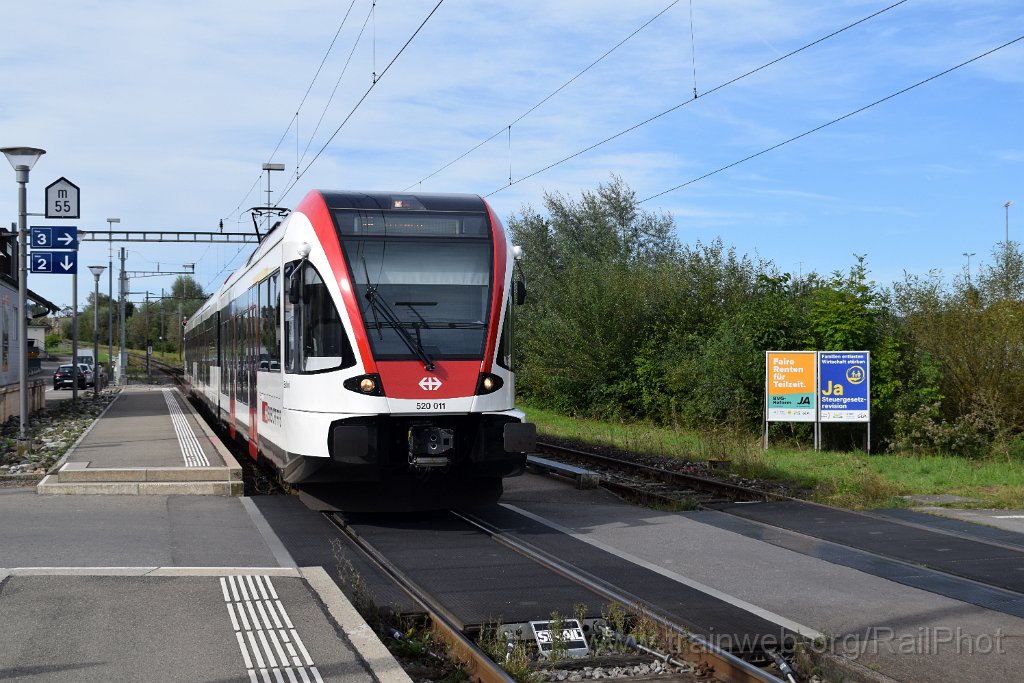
(86, 371)
(64, 377)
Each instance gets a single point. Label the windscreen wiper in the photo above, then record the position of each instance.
(379, 306)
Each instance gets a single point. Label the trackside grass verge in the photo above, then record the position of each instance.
(853, 480)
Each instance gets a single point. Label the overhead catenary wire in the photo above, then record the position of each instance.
(337, 84)
(294, 119)
(547, 97)
(835, 120)
(701, 96)
(376, 80)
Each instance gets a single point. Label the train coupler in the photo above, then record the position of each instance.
(427, 446)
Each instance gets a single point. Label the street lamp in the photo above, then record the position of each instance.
(22, 159)
(96, 272)
(1007, 207)
(969, 255)
(110, 294)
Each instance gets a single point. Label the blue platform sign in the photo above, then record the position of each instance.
(844, 389)
(59, 262)
(55, 237)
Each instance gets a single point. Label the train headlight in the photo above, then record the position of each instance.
(368, 385)
(488, 383)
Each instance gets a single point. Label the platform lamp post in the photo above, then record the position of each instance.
(22, 159)
(1007, 206)
(969, 255)
(110, 294)
(96, 272)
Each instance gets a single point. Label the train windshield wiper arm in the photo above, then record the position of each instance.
(380, 307)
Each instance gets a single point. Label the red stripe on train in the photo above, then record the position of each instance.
(315, 208)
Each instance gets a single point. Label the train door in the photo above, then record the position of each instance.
(230, 366)
(252, 357)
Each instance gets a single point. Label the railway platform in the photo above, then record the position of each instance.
(149, 441)
(169, 588)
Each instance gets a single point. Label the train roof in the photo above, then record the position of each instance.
(375, 201)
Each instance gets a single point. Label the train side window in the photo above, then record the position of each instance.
(273, 320)
(270, 354)
(315, 338)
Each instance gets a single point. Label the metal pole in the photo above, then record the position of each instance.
(181, 332)
(96, 338)
(22, 178)
(1007, 207)
(110, 310)
(74, 336)
(149, 344)
(122, 351)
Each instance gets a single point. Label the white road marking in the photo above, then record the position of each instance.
(1008, 516)
(263, 615)
(284, 615)
(231, 613)
(273, 614)
(260, 636)
(191, 451)
(245, 653)
(263, 591)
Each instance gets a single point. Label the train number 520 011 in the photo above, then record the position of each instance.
(427, 405)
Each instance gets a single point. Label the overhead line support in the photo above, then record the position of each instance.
(165, 236)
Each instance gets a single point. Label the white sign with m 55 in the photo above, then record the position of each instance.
(62, 199)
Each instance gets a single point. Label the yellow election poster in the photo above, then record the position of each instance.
(791, 386)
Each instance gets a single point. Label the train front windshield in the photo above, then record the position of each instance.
(423, 281)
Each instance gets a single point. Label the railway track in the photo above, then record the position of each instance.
(645, 484)
(702, 659)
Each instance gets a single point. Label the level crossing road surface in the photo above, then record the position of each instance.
(903, 630)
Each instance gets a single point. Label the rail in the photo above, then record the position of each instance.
(479, 665)
(691, 481)
(727, 667)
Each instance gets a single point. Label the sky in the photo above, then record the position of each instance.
(163, 114)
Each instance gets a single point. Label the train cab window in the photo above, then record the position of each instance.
(315, 337)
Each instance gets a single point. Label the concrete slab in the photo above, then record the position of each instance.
(1010, 520)
(940, 499)
(105, 531)
(903, 632)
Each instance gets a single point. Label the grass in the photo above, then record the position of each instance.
(847, 479)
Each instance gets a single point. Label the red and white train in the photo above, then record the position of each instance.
(364, 351)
